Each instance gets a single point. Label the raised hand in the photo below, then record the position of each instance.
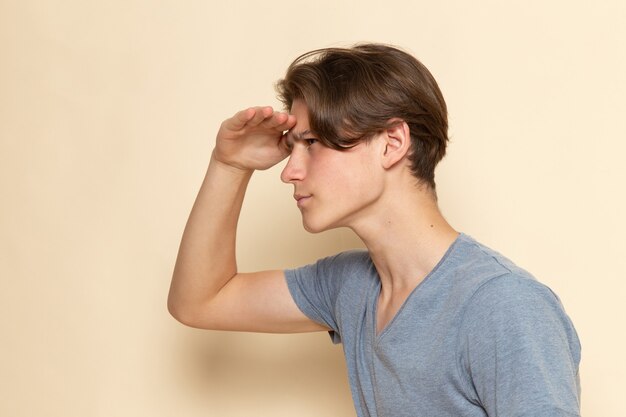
(252, 138)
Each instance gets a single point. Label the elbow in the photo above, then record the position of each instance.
(177, 310)
(178, 307)
(188, 316)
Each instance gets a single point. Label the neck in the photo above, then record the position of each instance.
(405, 241)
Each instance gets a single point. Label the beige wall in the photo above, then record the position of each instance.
(107, 114)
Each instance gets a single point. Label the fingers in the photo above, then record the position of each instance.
(280, 121)
(261, 114)
(240, 119)
(264, 117)
(284, 145)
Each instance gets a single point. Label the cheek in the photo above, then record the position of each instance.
(359, 184)
(344, 173)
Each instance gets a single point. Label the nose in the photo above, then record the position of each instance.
(294, 170)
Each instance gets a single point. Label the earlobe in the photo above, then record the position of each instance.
(397, 139)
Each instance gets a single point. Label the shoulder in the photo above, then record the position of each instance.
(481, 261)
(511, 295)
(501, 290)
(502, 286)
(356, 258)
(504, 301)
(516, 313)
(330, 289)
(471, 270)
(344, 272)
(348, 263)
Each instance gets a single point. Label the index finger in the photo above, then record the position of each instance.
(241, 118)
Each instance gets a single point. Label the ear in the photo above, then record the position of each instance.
(397, 142)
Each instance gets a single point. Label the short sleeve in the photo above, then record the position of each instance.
(326, 290)
(520, 350)
(311, 289)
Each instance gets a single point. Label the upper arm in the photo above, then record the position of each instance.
(254, 302)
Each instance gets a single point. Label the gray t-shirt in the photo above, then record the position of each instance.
(478, 337)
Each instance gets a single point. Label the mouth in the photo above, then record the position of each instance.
(301, 199)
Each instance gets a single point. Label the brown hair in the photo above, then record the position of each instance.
(353, 93)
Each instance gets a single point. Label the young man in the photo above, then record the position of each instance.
(432, 322)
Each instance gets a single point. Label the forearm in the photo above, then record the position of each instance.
(206, 258)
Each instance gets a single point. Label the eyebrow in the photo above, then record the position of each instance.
(300, 135)
(293, 136)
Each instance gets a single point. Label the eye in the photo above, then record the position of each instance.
(310, 141)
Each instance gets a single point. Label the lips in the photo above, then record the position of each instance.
(301, 199)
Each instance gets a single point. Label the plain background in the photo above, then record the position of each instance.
(108, 112)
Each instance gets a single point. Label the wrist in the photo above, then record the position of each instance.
(220, 165)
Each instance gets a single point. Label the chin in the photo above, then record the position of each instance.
(312, 228)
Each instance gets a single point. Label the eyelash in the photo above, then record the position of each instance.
(308, 142)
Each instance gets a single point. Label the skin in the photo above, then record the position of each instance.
(332, 188)
(368, 188)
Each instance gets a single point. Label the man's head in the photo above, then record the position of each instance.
(352, 94)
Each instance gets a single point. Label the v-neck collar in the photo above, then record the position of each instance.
(379, 335)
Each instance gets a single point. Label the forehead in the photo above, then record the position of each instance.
(301, 111)
(301, 130)
(294, 134)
